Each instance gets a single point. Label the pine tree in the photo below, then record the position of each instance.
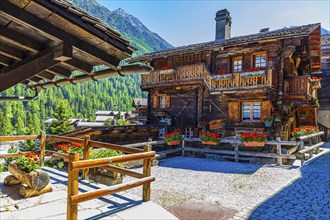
(62, 123)
(6, 128)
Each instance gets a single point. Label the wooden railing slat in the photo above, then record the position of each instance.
(115, 147)
(19, 138)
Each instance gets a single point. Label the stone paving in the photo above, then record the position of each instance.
(308, 197)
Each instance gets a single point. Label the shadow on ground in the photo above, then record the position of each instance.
(306, 198)
(208, 165)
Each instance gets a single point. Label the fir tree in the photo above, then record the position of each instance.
(62, 123)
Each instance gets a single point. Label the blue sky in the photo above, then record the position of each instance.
(187, 22)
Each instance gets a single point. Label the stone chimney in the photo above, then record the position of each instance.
(223, 25)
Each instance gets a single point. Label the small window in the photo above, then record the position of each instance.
(236, 64)
(251, 111)
(189, 132)
(260, 59)
(162, 101)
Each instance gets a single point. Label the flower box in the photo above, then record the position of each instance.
(268, 123)
(209, 143)
(175, 142)
(253, 144)
(254, 73)
(103, 176)
(224, 76)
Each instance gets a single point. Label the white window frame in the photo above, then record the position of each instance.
(252, 111)
(237, 63)
(162, 101)
(261, 62)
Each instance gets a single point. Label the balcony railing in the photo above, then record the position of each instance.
(242, 81)
(182, 73)
(301, 86)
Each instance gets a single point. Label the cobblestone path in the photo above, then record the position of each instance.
(306, 198)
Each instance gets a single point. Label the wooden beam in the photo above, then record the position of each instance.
(80, 65)
(60, 71)
(26, 68)
(22, 17)
(11, 52)
(19, 39)
(46, 75)
(4, 60)
(35, 79)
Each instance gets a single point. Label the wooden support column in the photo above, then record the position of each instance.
(146, 173)
(279, 152)
(72, 209)
(183, 144)
(236, 152)
(86, 154)
(42, 148)
(200, 105)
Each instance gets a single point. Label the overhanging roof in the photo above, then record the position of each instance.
(296, 31)
(42, 39)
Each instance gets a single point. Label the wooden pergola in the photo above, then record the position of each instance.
(43, 41)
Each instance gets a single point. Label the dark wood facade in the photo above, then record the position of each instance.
(187, 77)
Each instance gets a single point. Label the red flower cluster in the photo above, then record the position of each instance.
(276, 113)
(221, 72)
(72, 147)
(209, 136)
(305, 130)
(315, 78)
(173, 136)
(254, 69)
(253, 136)
(166, 67)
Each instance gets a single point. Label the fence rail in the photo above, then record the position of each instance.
(75, 163)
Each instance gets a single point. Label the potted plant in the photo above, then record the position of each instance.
(224, 122)
(315, 102)
(173, 138)
(253, 139)
(277, 116)
(69, 148)
(204, 125)
(268, 121)
(159, 112)
(25, 168)
(209, 138)
(303, 113)
(103, 175)
(304, 130)
(168, 119)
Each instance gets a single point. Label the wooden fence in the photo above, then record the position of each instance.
(76, 163)
(316, 138)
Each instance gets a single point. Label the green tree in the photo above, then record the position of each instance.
(108, 122)
(6, 128)
(62, 123)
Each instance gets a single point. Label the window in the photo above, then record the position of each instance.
(259, 59)
(162, 101)
(189, 132)
(251, 111)
(236, 64)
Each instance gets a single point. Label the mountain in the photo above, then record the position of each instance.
(83, 100)
(129, 26)
(324, 31)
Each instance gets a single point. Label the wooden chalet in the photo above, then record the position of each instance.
(244, 79)
(43, 41)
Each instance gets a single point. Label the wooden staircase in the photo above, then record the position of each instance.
(326, 131)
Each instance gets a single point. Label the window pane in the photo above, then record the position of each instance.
(256, 110)
(246, 111)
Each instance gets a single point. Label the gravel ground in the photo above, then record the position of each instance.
(228, 184)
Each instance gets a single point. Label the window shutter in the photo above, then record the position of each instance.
(233, 112)
(168, 101)
(155, 102)
(266, 107)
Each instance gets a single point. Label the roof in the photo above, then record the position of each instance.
(102, 118)
(57, 35)
(140, 101)
(91, 124)
(296, 31)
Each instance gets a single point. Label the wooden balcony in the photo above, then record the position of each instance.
(242, 81)
(301, 86)
(194, 73)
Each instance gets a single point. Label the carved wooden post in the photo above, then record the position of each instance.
(302, 156)
(311, 151)
(42, 148)
(183, 145)
(146, 173)
(86, 154)
(72, 210)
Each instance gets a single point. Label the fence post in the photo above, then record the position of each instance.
(42, 147)
(146, 173)
(302, 156)
(86, 154)
(279, 150)
(311, 151)
(72, 210)
(183, 145)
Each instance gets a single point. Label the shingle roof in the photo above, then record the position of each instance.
(295, 31)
